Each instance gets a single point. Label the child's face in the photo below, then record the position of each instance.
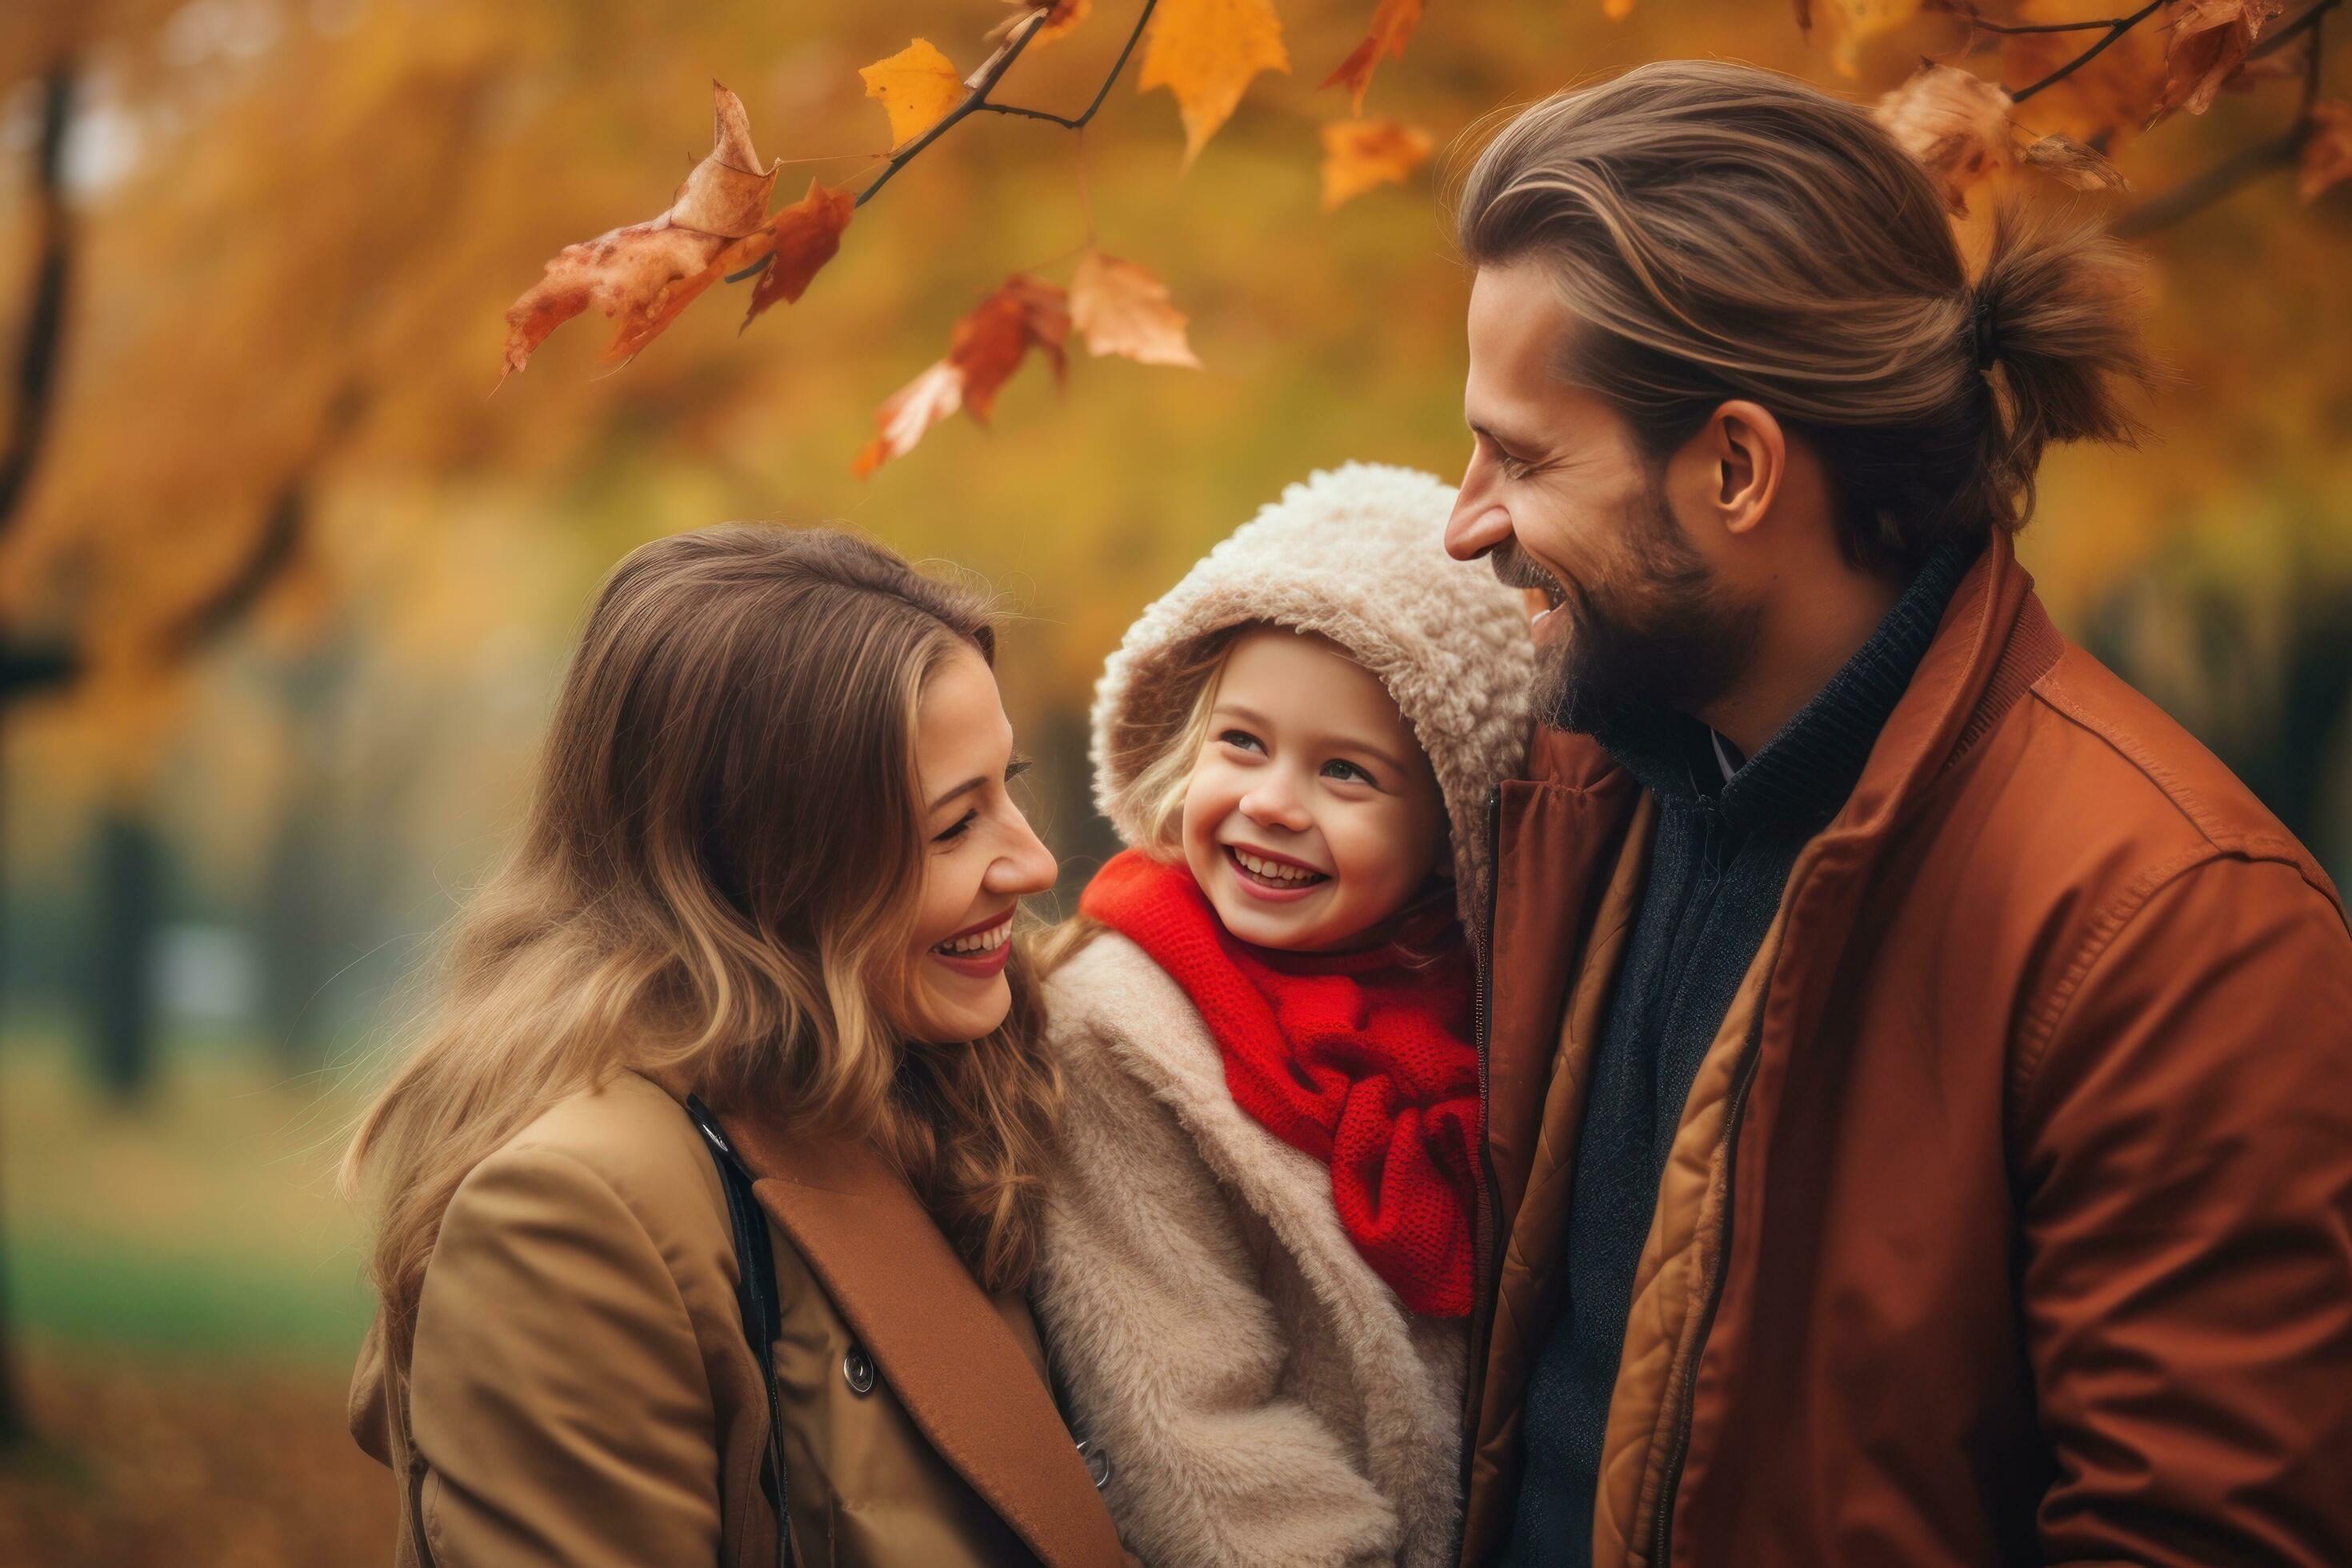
(1312, 815)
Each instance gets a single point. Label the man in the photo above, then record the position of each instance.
(1920, 1075)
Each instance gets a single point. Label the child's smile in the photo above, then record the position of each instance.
(1312, 817)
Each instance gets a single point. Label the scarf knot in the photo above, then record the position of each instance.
(1362, 1060)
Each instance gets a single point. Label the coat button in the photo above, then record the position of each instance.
(1097, 1460)
(858, 1371)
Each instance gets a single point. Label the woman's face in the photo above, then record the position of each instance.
(1312, 815)
(980, 857)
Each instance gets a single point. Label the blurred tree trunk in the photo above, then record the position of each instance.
(15, 1423)
(130, 883)
(38, 357)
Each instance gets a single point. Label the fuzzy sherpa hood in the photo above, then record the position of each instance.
(1357, 555)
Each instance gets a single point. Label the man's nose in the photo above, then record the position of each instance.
(1476, 527)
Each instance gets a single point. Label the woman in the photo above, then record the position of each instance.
(768, 882)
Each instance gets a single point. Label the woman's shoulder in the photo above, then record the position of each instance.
(624, 1145)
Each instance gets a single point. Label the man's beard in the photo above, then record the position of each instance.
(1670, 637)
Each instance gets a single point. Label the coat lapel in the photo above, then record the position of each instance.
(948, 1357)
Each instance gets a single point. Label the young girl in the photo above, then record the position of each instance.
(1257, 1269)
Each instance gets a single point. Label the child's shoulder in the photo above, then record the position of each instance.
(1109, 1008)
(1103, 981)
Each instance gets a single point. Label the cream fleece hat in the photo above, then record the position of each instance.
(1358, 555)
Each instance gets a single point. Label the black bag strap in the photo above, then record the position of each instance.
(755, 1295)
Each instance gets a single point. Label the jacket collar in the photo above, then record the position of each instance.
(1800, 777)
(948, 1357)
(1994, 641)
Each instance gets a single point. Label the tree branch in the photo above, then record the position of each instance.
(45, 317)
(2307, 22)
(273, 549)
(993, 71)
(2116, 29)
(2242, 167)
(2248, 163)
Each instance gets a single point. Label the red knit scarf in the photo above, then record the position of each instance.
(1361, 1059)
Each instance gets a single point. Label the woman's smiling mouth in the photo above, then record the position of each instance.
(980, 951)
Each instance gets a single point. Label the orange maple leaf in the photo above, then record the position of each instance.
(2207, 44)
(1062, 17)
(1954, 121)
(986, 346)
(2326, 149)
(646, 273)
(1123, 309)
(1392, 23)
(1358, 154)
(798, 240)
(1205, 52)
(918, 86)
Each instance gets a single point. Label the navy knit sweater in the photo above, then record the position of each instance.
(1715, 873)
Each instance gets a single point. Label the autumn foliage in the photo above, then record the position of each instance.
(1964, 126)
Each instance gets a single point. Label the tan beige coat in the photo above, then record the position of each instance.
(580, 1392)
(1263, 1398)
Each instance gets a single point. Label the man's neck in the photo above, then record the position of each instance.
(1805, 637)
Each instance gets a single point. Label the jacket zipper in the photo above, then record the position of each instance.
(1662, 1527)
(1482, 1237)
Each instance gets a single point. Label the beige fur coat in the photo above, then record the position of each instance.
(1263, 1397)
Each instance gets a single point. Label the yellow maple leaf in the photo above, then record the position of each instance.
(917, 86)
(1360, 154)
(1205, 51)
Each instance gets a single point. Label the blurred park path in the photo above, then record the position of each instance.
(186, 1287)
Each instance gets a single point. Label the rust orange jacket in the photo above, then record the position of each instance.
(2010, 1219)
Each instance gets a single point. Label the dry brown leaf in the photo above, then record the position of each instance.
(1360, 154)
(1392, 23)
(646, 273)
(2069, 161)
(799, 240)
(2206, 45)
(917, 86)
(1124, 309)
(2326, 149)
(986, 346)
(1955, 123)
(1205, 52)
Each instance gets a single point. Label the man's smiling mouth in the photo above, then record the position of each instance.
(1515, 568)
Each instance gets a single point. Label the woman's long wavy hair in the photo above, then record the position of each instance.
(717, 886)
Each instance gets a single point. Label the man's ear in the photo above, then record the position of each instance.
(1746, 457)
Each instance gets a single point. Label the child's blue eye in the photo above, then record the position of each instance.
(1242, 739)
(1347, 772)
